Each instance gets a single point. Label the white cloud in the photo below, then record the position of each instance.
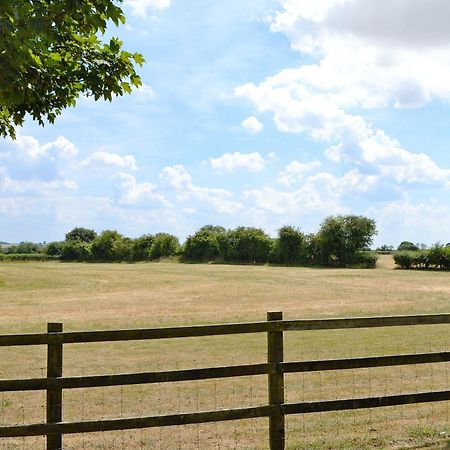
(145, 93)
(141, 7)
(321, 193)
(177, 176)
(221, 200)
(252, 125)
(371, 53)
(405, 220)
(26, 159)
(358, 66)
(101, 159)
(33, 186)
(64, 147)
(230, 162)
(29, 147)
(133, 192)
(295, 171)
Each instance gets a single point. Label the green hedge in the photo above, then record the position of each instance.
(437, 258)
(27, 257)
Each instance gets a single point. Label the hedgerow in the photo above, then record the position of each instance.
(436, 258)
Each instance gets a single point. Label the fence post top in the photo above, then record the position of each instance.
(54, 327)
(275, 315)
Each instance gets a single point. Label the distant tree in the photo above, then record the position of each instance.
(289, 247)
(81, 234)
(141, 247)
(24, 248)
(104, 246)
(204, 245)
(164, 245)
(54, 248)
(384, 248)
(341, 237)
(122, 249)
(75, 251)
(408, 246)
(247, 245)
(51, 52)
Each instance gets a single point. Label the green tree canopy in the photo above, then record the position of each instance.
(164, 245)
(51, 52)
(81, 234)
(290, 245)
(204, 245)
(341, 237)
(406, 245)
(247, 245)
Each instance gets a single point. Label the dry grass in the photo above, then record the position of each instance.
(109, 296)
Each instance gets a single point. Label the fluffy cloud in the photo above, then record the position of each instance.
(133, 192)
(252, 125)
(230, 162)
(145, 93)
(295, 171)
(221, 200)
(101, 159)
(33, 186)
(367, 57)
(141, 7)
(28, 147)
(27, 159)
(371, 53)
(400, 221)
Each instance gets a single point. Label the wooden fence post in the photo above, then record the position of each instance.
(54, 396)
(276, 384)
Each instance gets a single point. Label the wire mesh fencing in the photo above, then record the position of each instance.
(389, 427)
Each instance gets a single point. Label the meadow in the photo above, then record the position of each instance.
(112, 296)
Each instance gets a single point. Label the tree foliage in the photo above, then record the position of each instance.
(164, 245)
(51, 52)
(106, 246)
(205, 244)
(247, 245)
(290, 246)
(341, 237)
(141, 247)
(81, 234)
(407, 246)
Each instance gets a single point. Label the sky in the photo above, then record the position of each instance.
(259, 113)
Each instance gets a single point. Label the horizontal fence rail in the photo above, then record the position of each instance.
(221, 415)
(274, 368)
(79, 337)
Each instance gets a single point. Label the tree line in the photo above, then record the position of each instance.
(341, 241)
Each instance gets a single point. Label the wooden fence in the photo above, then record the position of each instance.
(276, 409)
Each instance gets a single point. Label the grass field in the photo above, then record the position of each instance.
(111, 296)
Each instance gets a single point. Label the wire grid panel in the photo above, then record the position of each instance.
(171, 398)
(389, 427)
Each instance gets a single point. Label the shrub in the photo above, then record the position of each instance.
(341, 237)
(164, 245)
(407, 246)
(290, 246)
(54, 248)
(81, 234)
(204, 245)
(75, 251)
(105, 248)
(366, 260)
(24, 257)
(404, 259)
(247, 245)
(141, 247)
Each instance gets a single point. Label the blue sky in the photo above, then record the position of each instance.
(257, 113)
